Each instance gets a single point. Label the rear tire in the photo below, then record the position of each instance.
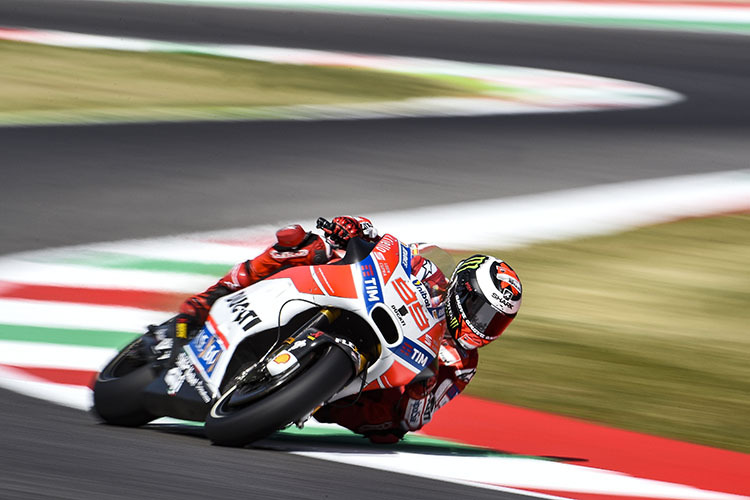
(228, 426)
(119, 387)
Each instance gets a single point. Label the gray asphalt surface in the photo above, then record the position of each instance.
(67, 185)
(51, 452)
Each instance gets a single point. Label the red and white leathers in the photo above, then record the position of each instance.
(294, 247)
(384, 415)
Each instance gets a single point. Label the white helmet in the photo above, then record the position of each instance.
(483, 298)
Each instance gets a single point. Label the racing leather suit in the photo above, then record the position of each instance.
(384, 415)
(293, 247)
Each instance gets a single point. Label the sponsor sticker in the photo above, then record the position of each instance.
(240, 307)
(385, 267)
(406, 259)
(410, 299)
(371, 289)
(414, 354)
(282, 358)
(184, 372)
(281, 363)
(400, 313)
(207, 349)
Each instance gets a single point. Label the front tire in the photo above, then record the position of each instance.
(119, 387)
(231, 426)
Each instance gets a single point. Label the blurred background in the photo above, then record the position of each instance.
(645, 329)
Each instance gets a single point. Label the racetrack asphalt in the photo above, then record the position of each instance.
(68, 185)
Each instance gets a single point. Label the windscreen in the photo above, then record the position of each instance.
(437, 256)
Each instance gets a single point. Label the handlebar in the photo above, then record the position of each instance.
(325, 224)
(333, 237)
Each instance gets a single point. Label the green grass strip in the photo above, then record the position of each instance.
(615, 22)
(646, 330)
(111, 260)
(412, 443)
(338, 439)
(64, 336)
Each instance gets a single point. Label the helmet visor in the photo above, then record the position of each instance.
(483, 319)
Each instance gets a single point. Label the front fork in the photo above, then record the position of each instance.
(312, 336)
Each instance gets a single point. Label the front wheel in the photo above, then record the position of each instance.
(229, 424)
(119, 387)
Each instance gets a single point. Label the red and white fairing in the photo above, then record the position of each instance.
(380, 289)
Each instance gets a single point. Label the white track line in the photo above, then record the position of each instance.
(72, 396)
(67, 315)
(191, 251)
(21, 270)
(40, 355)
(523, 220)
(521, 473)
(558, 215)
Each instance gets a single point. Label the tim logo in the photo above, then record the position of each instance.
(370, 283)
(413, 354)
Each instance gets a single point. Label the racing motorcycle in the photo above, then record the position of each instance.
(271, 354)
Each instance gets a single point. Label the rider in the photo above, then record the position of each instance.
(481, 299)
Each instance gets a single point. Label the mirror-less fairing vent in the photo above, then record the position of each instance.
(385, 324)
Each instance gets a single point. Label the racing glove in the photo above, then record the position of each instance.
(344, 228)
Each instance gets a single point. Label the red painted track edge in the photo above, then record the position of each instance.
(522, 431)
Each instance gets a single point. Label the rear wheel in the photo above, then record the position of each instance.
(249, 412)
(119, 387)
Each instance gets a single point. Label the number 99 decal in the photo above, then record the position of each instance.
(410, 299)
